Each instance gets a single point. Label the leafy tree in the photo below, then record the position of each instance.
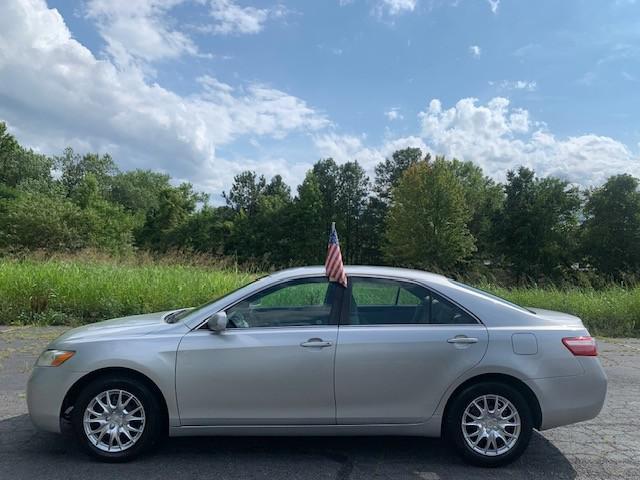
(175, 206)
(37, 221)
(327, 173)
(352, 192)
(427, 220)
(308, 226)
(485, 199)
(389, 172)
(75, 167)
(246, 190)
(539, 225)
(18, 165)
(138, 190)
(611, 236)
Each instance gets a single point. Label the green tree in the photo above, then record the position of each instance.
(391, 170)
(352, 193)
(485, 199)
(18, 165)
(427, 220)
(138, 190)
(74, 167)
(175, 206)
(37, 221)
(245, 191)
(611, 231)
(539, 225)
(308, 227)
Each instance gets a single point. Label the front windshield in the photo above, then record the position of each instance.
(492, 296)
(187, 312)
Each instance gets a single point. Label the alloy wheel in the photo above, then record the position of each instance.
(491, 425)
(114, 420)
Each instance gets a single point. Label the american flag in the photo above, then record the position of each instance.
(333, 265)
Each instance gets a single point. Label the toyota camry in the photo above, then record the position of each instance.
(396, 352)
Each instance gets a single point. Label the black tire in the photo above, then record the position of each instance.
(453, 428)
(153, 425)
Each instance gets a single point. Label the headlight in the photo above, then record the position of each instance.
(54, 358)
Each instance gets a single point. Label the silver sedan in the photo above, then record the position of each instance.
(398, 352)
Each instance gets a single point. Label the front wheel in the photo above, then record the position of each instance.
(490, 424)
(116, 419)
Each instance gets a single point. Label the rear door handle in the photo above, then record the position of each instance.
(316, 342)
(462, 340)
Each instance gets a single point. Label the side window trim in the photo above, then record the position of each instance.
(344, 311)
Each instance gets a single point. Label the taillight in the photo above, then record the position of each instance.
(581, 346)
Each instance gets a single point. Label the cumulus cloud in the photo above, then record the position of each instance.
(232, 18)
(345, 148)
(138, 30)
(499, 137)
(55, 93)
(493, 5)
(475, 51)
(142, 31)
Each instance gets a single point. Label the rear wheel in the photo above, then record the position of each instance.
(490, 424)
(116, 419)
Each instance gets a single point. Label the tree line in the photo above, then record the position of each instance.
(419, 211)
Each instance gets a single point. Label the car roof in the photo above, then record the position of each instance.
(368, 270)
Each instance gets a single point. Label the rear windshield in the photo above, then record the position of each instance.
(492, 296)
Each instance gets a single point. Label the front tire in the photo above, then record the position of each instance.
(115, 419)
(490, 424)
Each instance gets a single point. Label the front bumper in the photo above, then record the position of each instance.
(567, 400)
(46, 390)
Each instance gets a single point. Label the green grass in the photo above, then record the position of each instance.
(72, 291)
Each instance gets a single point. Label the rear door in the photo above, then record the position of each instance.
(400, 346)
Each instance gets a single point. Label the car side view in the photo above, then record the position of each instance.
(397, 352)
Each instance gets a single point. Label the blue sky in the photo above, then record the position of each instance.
(203, 89)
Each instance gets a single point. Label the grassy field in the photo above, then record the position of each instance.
(68, 292)
(76, 291)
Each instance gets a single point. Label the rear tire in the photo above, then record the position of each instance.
(115, 419)
(489, 424)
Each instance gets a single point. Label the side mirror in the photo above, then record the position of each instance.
(217, 322)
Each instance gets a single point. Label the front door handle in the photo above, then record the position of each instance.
(316, 342)
(462, 340)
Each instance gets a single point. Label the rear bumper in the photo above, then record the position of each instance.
(46, 390)
(567, 400)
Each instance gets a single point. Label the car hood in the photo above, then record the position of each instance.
(552, 317)
(134, 325)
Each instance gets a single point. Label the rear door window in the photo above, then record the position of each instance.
(375, 301)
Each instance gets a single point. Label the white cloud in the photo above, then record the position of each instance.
(527, 85)
(345, 148)
(395, 7)
(475, 51)
(393, 114)
(232, 18)
(139, 30)
(494, 4)
(499, 137)
(55, 93)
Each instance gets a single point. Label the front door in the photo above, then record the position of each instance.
(399, 350)
(272, 366)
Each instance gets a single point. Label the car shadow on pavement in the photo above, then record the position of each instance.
(27, 453)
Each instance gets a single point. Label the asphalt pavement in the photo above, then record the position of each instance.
(607, 447)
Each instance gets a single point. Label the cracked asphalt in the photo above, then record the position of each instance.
(607, 447)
